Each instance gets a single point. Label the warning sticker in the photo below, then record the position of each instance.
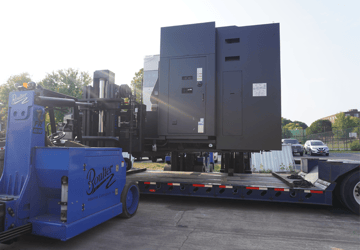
(259, 89)
(199, 74)
(201, 126)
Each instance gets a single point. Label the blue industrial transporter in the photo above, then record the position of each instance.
(57, 192)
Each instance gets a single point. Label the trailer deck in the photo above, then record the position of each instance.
(265, 187)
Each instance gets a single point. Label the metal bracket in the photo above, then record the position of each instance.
(284, 180)
(302, 184)
(15, 232)
(6, 198)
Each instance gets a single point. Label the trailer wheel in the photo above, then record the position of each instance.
(130, 200)
(154, 159)
(350, 191)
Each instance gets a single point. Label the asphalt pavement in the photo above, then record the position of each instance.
(165, 222)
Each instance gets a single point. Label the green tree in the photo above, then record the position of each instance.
(69, 82)
(292, 126)
(302, 124)
(355, 146)
(284, 121)
(136, 84)
(5, 90)
(286, 133)
(319, 126)
(288, 125)
(342, 123)
(356, 121)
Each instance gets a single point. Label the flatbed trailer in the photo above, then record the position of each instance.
(317, 183)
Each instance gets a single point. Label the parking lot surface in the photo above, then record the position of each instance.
(165, 222)
(333, 156)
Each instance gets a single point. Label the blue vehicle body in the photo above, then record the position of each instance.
(55, 192)
(96, 180)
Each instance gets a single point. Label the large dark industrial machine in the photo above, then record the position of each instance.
(218, 90)
(220, 86)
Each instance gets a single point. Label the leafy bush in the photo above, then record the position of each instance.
(355, 146)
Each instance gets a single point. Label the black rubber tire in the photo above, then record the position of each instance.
(311, 153)
(301, 154)
(216, 161)
(327, 154)
(347, 191)
(129, 210)
(154, 159)
(128, 164)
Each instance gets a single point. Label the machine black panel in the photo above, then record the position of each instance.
(186, 111)
(187, 81)
(232, 103)
(188, 40)
(150, 130)
(255, 51)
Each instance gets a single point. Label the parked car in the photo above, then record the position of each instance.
(296, 147)
(316, 147)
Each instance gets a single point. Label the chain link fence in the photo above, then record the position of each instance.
(335, 140)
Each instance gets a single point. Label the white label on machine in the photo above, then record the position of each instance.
(201, 125)
(259, 89)
(199, 74)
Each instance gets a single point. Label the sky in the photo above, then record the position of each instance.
(319, 42)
